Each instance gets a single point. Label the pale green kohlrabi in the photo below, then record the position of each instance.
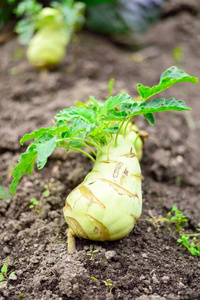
(106, 205)
(54, 28)
(47, 48)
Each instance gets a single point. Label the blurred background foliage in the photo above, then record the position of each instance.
(111, 17)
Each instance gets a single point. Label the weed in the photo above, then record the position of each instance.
(109, 284)
(174, 217)
(94, 278)
(48, 189)
(5, 276)
(190, 241)
(91, 253)
(34, 203)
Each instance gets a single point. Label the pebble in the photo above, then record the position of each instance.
(110, 254)
(142, 277)
(165, 279)
(151, 297)
(155, 279)
(144, 255)
(181, 285)
(6, 250)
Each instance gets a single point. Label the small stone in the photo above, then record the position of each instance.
(155, 279)
(6, 250)
(144, 255)
(110, 254)
(165, 279)
(181, 285)
(142, 277)
(86, 248)
(34, 260)
(28, 184)
(149, 229)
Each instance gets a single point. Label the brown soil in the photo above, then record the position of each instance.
(147, 264)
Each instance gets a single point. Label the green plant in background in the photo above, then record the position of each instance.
(5, 276)
(177, 54)
(34, 202)
(123, 20)
(48, 189)
(106, 205)
(47, 31)
(191, 243)
(175, 217)
(4, 193)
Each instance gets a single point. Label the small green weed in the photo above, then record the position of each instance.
(48, 189)
(34, 204)
(176, 218)
(109, 284)
(91, 254)
(94, 278)
(5, 276)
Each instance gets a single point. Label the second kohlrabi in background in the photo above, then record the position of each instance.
(47, 31)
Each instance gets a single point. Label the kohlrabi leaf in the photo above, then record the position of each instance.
(113, 102)
(44, 147)
(156, 105)
(72, 113)
(95, 123)
(42, 131)
(113, 115)
(95, 101)
(170, 77)
(25, 165)
(150, 118)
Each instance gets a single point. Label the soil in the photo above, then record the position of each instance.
(147, 264)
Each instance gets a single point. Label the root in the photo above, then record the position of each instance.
(71, 248)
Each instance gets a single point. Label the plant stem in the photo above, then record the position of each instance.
(136, 138)
(84, 152)
(90, 148)
(94, 144)
(191, 234)
(87, 141)
(120, 127)
(127, 122)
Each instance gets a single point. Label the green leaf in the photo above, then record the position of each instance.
(46, 193)
(4, 269)
(25, 165)
(1, 277)
(113, 129)
(42, 131)
(95, 101)
(111, 86)
(169, 78)
(25, 29)
(156, 105)
(150, 118)
(113, 102)
(44, 147)
(113, 115)
(72, 113)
